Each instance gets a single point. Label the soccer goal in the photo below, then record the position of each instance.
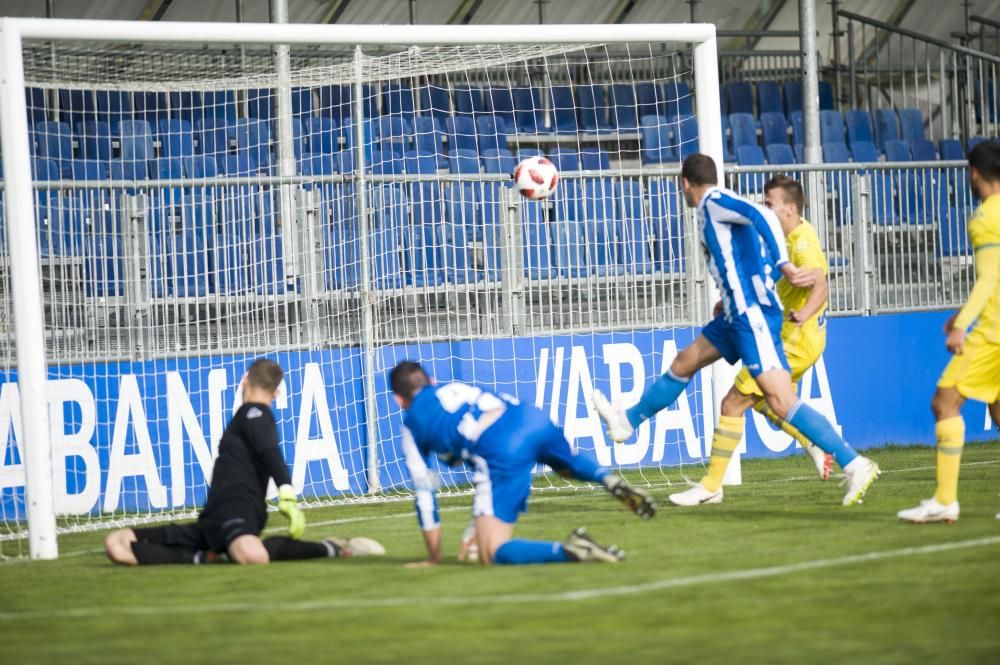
(182, 198)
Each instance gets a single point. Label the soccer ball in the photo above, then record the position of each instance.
(535, 178)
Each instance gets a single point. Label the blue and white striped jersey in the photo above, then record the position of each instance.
(745, 247)
(446, 421)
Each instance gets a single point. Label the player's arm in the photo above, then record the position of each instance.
(737, 211)
(262, 433)
(819, 293)
(424, 488)
(987, 276)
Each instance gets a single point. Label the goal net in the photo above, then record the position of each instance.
(341, 208)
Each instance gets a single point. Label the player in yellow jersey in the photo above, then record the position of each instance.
(803, 336)
(974, 371)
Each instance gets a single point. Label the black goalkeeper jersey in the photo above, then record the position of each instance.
(249, 455)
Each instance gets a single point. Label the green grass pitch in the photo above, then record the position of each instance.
(779, 573)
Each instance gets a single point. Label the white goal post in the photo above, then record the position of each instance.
(17, 152)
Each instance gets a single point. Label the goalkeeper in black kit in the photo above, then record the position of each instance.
(236, 509)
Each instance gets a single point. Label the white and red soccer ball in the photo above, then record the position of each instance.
(535, 178)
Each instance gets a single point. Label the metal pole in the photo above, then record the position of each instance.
(367, 301)
(29, 321)
(286, 149)
(413, 12)
(693, 6)
(810, 81)
(835, 16)
(243, 48)
(541, 10)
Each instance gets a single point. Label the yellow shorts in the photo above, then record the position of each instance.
(803, 347)
(976, 373)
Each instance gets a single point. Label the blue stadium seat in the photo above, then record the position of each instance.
(774, 127)
(831, 126)
(302, 103)
(397, 100)
(912, 121)
(460, 133)
(55, 142)
(750, 155)
(422, 259)
(974, 141)
(186, 105)
(594, 159)
(678, 100)
(395, 129)
(388, 161)
(499, 102)
(954, 234)
(883, 202)
(780, 153)
(859, 126)
(240, 164)
(835, 153)
(128, 169)
(951, 149)
(634, 228)
(744, 129)
(923, 150)
(769, 98)
(826, 101)
(565, 159)
(686, 135)
(600, 220)
(94, 139)
(793, 97)
(647, 98)
(176, 138)
(316, 163)
(654, 141)
(461, 221)
(668, 226)
(88, 169)
(800, 152)
(343, 240)
(622, 107)
(886, 127)
(727, 153)
(200, 166)
(897, 151)
(491, 134)
(563, 109)
(537, 241)
(253, 137)
(864, 151)
(740, 97)
(112, 106)
(219, 104)
(427, 140)
(524, 153)
(34, 99)
(337, 102)
(529, 112)
(435, 101)
(322, 135)
(266, 247)
(798, 127)
(463, 161)
(213, 136)
(498, 161)
(567, 222)
(76, 106)
(469, 100)
(415, 162)
(344, 161)
(136, 140)
(592, 108)
(260, 103)
(45, 169)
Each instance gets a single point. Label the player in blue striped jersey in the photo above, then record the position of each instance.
(502, 441)
(746, 254)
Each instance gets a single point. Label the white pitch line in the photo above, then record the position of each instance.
(564, 596)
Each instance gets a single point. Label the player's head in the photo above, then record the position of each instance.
(984, 169)
(697, 172)
(263, 379)
(406, 379)
(785, 197)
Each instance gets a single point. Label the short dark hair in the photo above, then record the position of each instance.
(985, 158)
(791, 187)
(266, 374)
(407, 378)
(699, 169)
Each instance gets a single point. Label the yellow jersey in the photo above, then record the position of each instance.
(984, 300)
(805, 252)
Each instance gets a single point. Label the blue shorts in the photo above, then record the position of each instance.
(753, 337)
(506, 455)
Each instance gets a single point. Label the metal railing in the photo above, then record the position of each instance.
(954, 87)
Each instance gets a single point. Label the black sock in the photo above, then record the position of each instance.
(282, 548)
(153, 553)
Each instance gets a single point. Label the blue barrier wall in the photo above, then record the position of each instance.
(140, 436)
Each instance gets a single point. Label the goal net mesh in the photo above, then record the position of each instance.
(198, 208)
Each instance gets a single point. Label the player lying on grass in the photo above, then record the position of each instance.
(501, 441)
(974, 371)
(745, 250)
(236, 510)
(803, 336)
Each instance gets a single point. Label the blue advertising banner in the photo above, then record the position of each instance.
(142, 436)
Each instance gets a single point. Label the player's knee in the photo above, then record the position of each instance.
(685, 364)
(248, 550)
(945, 405)
(734, 404)
(782, 404)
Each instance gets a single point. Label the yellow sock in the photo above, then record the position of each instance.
(950, 439)
(762, 407)
(727, 437)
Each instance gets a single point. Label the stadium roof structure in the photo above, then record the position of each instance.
(923, 16)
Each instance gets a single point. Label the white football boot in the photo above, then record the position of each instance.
(619, 428)
(823, 461)
(930, 510)
(696, 495)
(357, 546)
(860, 473)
